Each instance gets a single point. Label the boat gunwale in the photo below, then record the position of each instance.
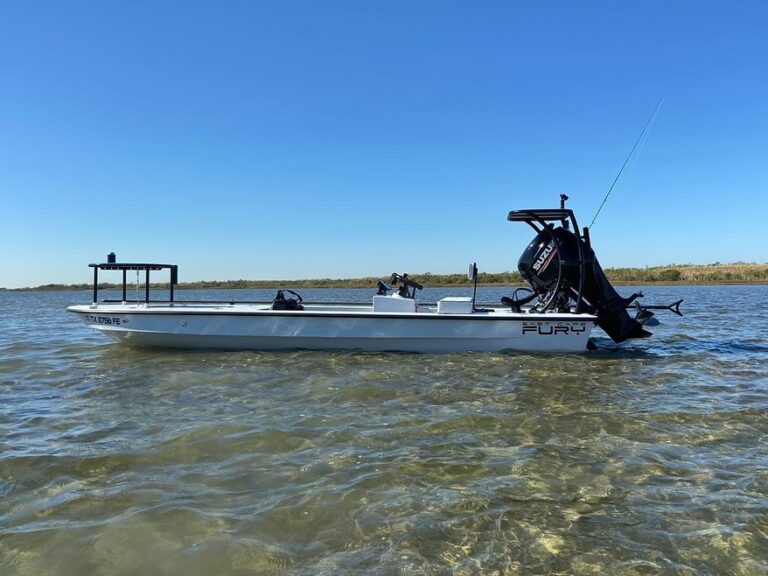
(494, 315)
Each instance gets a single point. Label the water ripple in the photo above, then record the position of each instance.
(646, 458)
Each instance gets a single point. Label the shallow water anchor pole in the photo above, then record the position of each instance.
(472, 275)
(95, 284)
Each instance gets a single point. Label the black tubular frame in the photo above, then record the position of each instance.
(174, 270)
(541, 219)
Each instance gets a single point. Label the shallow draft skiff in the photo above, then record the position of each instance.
(567, 295)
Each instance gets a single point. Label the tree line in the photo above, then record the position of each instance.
(676, 273)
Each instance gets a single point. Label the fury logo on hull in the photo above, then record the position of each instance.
(550, 330)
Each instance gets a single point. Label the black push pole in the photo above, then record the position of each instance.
(95, 284)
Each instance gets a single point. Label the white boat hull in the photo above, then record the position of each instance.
(325, 327)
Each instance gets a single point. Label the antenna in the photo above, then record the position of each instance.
(645, 129)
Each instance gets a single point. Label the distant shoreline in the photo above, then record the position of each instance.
(668, 275)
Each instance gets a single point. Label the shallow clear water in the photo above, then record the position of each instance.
(649, 458)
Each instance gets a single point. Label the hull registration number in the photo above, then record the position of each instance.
(107, 320)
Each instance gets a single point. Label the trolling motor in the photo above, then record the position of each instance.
(281, 302)
(407, 288)
(562, 271)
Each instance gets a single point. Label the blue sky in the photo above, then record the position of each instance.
(339, 139)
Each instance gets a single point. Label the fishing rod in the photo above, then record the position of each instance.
(639, 138)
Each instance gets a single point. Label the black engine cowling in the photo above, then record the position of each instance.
(550, 265)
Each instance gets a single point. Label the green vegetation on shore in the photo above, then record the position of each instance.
(673, 274)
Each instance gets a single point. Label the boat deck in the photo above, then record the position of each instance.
(314, 309)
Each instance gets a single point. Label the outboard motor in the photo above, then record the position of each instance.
(561, 268)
